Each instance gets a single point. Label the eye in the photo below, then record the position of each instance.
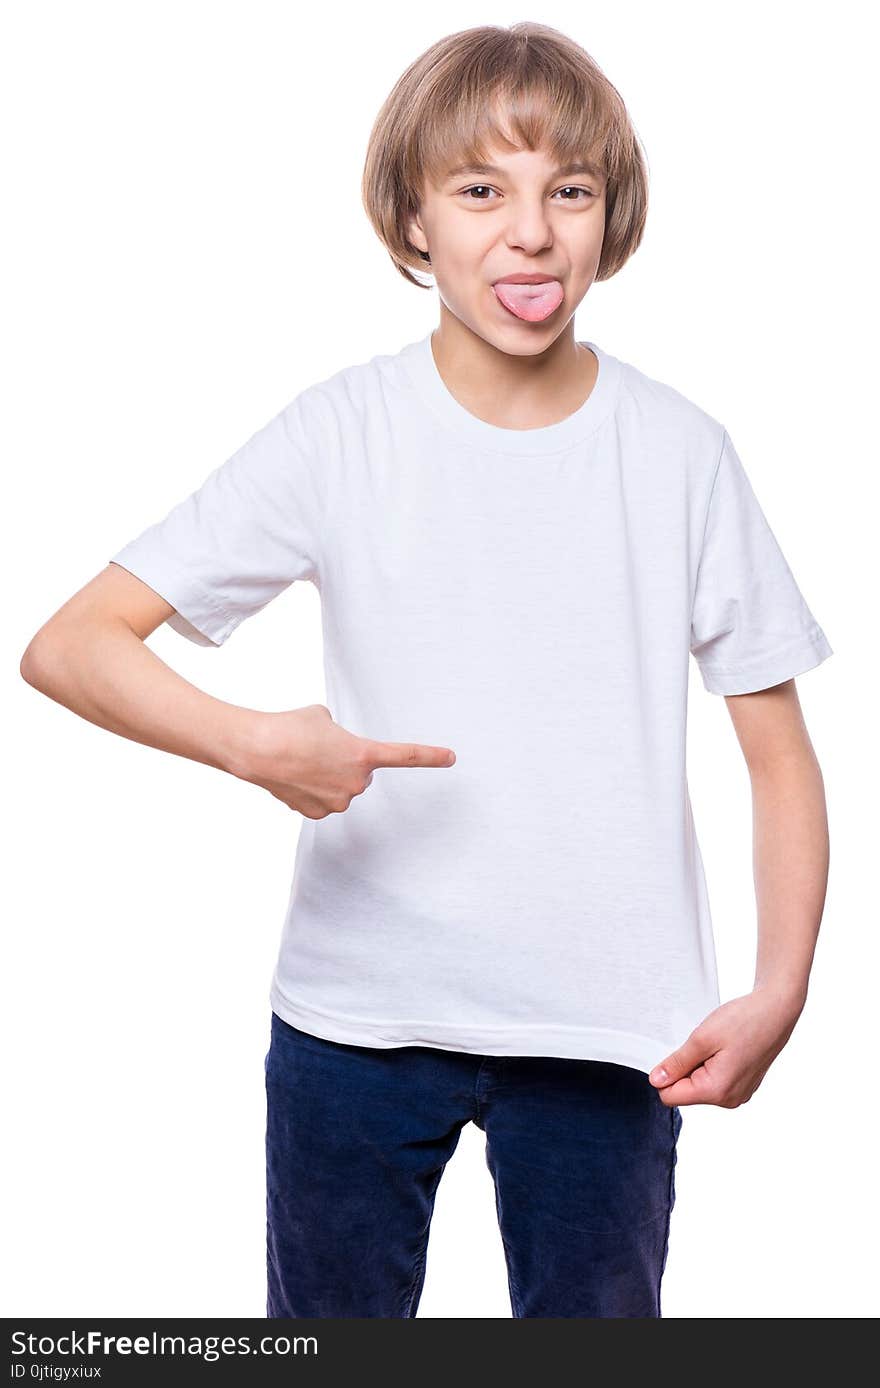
(477, 187)
(569, 188)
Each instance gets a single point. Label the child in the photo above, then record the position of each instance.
(518, 539)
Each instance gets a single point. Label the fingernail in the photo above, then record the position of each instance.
(660, 1075)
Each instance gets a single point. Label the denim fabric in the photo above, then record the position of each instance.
(582, 1154)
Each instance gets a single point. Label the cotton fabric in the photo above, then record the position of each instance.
(531, 599)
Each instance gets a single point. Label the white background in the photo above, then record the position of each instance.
(186, 251)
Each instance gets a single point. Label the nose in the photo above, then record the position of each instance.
(528, 228)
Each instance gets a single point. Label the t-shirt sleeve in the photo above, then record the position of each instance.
(250, 530)
(750, 626)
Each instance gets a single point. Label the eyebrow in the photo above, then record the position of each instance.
(578, 168)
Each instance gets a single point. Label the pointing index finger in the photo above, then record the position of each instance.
(408, 754)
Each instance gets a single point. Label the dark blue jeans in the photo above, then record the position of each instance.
(582, 1154)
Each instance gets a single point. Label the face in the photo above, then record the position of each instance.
(517, 215)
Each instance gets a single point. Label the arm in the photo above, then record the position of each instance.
(726, 1057)
(790, 841)
(91, 657)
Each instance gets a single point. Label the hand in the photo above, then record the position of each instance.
(726, 1057)
(313, 765)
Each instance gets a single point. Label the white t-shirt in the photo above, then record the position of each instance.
(528, 598)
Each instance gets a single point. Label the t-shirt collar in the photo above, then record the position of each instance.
(421, 367)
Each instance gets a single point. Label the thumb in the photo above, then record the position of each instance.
(679, 1063)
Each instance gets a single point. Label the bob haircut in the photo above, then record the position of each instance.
(441, 113)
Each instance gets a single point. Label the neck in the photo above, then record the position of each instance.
(513, 389)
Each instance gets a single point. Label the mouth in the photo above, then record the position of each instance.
(530, 298)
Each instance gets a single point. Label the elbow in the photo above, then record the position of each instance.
(29, 668)
(36, 662)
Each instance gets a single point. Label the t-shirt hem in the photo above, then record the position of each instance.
(561, 1042)
(801, 655)
(197, 615)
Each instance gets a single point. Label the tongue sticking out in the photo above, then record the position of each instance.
(531, 302)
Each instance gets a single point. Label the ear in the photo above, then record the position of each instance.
(417, 236)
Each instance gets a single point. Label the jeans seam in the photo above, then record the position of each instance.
(672, 1154)
(516, 1297)
(516, 1294)
(419, 1267)
(422, 1255)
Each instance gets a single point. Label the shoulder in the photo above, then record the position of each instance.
(668, 416)
(343, 399)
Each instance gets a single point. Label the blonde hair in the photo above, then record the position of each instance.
(440, 113)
